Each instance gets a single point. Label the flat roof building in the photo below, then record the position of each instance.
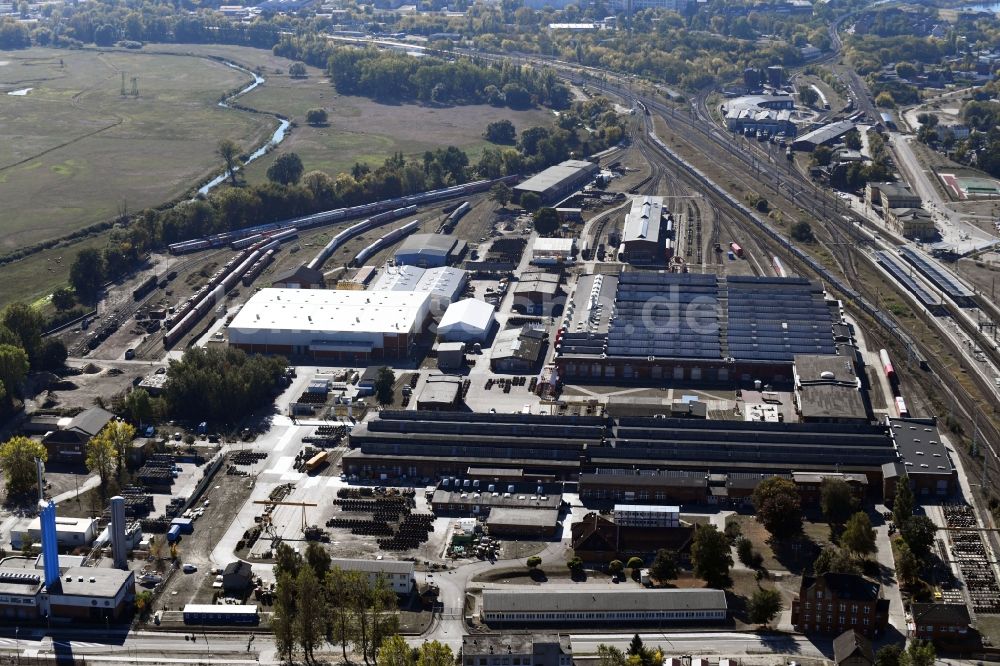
(427, 250)
(440, 392)
(921, 456)
(397, 573)
(350, 326)
(552, 250)
(558, 181)
(70, 532)
(520, 607)
(662, 326)
(827, 389)
(527, 649)
(515, 522)
(444, 283)
(92, 593)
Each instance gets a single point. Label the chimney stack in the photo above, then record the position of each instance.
(119, 551)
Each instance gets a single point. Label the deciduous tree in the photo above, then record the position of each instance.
(534, 562)
(906, 562)
(230, 154)
(858, 536)
(434, 653)
(17, 458)
(546, 221)
(836, 500)
(287, 169)
(384, 382)
(317, 116)
(763, 606)
(26, 323)
(664, 566)
(310, 612)
(501, 194)
(102, 459)
(13, 368)
(902, 505)
(283, 615)
(835, 560)
(778, 507)
(711, 556)
(394, 651)
(918, 532)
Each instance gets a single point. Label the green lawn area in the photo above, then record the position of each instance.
(73, 149)
(361, 130)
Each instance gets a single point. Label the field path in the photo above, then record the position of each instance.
(76, 102)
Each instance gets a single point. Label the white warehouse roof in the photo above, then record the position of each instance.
(322, 311)
(466, 320)
(553, 246)
(443, 283)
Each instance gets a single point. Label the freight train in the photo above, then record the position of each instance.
(385, 241)
(190, 312)
(337, 215)
(355, 230)
(455, 216)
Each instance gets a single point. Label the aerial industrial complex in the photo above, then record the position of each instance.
(536, 418)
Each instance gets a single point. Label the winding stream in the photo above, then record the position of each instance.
(276, 138)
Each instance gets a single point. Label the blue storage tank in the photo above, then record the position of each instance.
(174, 533)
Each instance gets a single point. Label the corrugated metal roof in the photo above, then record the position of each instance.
(502, 601)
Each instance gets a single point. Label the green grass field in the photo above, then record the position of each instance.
(73, 149)
(359, 130)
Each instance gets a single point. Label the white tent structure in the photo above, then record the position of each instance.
(467, 320)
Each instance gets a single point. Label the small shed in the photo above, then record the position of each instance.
(237, 576)
(451, 355)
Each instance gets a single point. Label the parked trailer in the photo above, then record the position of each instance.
(901, 407)
(315, 462)
(385, 241)
(779, 268)
(890, 372)
(737, 250)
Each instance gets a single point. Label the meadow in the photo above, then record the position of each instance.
(73, 150)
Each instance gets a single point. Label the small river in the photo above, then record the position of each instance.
(276, 138)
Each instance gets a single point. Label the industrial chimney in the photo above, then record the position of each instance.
(50, 543)
(119, 550)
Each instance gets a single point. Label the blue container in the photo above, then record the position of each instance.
(174, 533)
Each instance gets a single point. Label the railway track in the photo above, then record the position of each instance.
(125, 313)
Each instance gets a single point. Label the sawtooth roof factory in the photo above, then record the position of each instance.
(686, 459)
(692, 327)
(337, 325)
(771, 114)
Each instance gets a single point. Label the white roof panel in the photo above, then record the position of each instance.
(326, 310)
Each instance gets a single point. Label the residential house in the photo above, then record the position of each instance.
(834, 603)
(852, 649)
(934, 622)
